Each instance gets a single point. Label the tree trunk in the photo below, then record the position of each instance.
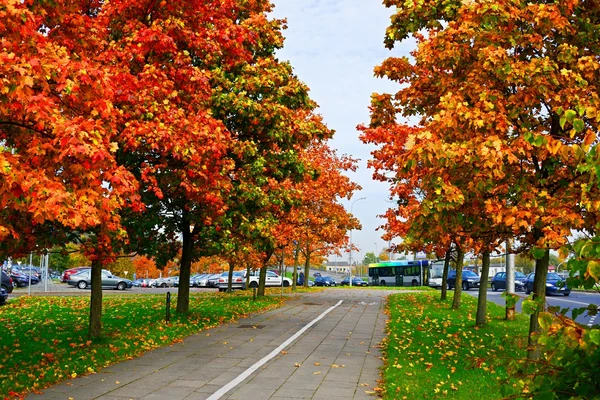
(230, 275)
(248, 270)
(183, 292)
(444, 294)
(460, 256)
(262, 279)
(295, 273)
(539, 295)
(306, 267)
(95, 327)
(482, 300)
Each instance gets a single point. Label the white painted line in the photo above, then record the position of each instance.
(219, 393)
(592, 319)
(570, 301)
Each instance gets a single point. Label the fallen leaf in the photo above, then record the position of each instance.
(316, 372)
(317, 364)
(283, 352)
(296, 365)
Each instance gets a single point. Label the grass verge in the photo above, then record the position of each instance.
(44, 339)
(434, 352)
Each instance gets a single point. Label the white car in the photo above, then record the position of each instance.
(165, 282)
(272, 280)
(435, 281)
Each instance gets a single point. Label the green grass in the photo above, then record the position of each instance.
(435, 352)
(44, 339)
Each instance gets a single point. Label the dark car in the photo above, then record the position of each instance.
(499, 281)
(469, 279)
(6, 283)
(555, 284)
(21, 278)
(3, 296)
(356, 281)
(325, 281)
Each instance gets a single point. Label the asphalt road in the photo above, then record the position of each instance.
(575, 300)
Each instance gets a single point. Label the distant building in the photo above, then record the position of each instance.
(341, 267)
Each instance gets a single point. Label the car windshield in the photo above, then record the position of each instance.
(520, 275)
(553, 276)
(470, 274)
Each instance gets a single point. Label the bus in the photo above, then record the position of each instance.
(399, 273)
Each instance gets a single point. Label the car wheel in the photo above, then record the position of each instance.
(82, 284)
(221, 290)
(381, 283)
(566, 294)
(494, 288)
(163, 285)
(121, 286)
(465, 285)
(415, 283)
(253, 285)
(286, 284)
(527, 291)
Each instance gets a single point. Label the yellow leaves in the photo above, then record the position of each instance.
(593, 268)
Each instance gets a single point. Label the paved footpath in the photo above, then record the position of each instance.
(287, 353)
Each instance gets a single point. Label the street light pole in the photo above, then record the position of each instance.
(376, 254)
(351, 206)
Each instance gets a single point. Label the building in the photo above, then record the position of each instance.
(340, 267)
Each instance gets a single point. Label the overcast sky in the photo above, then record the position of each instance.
(333, 46)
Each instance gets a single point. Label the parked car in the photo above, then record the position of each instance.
(356, 281)
(68, 272)
(83, 279)
(435, 281)
(238, 281)
(555, 284)
(165, 282)
(325, 281)
(6, 283)
(271, 279)
(138, 283)
(3, 296)
(469, 279)
(213, 281)
(499, 281)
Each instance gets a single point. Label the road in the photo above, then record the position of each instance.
(575, 300)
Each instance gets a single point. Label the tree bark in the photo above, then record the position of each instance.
(95, 326)
(444, 294)
(183, 292)
(460, 256)
(482, 300)
(262, 279)
(539, 295)
(230, 275)
(306, 267)
(295, 273)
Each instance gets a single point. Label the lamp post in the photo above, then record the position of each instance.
(351, 206)
(376, 254)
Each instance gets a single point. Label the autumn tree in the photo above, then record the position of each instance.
(322, 221)
(506, 93)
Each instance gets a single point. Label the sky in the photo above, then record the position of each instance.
(333, 46)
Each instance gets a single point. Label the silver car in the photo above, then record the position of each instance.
(83, 280)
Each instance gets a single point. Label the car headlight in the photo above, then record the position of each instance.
(549, 285)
